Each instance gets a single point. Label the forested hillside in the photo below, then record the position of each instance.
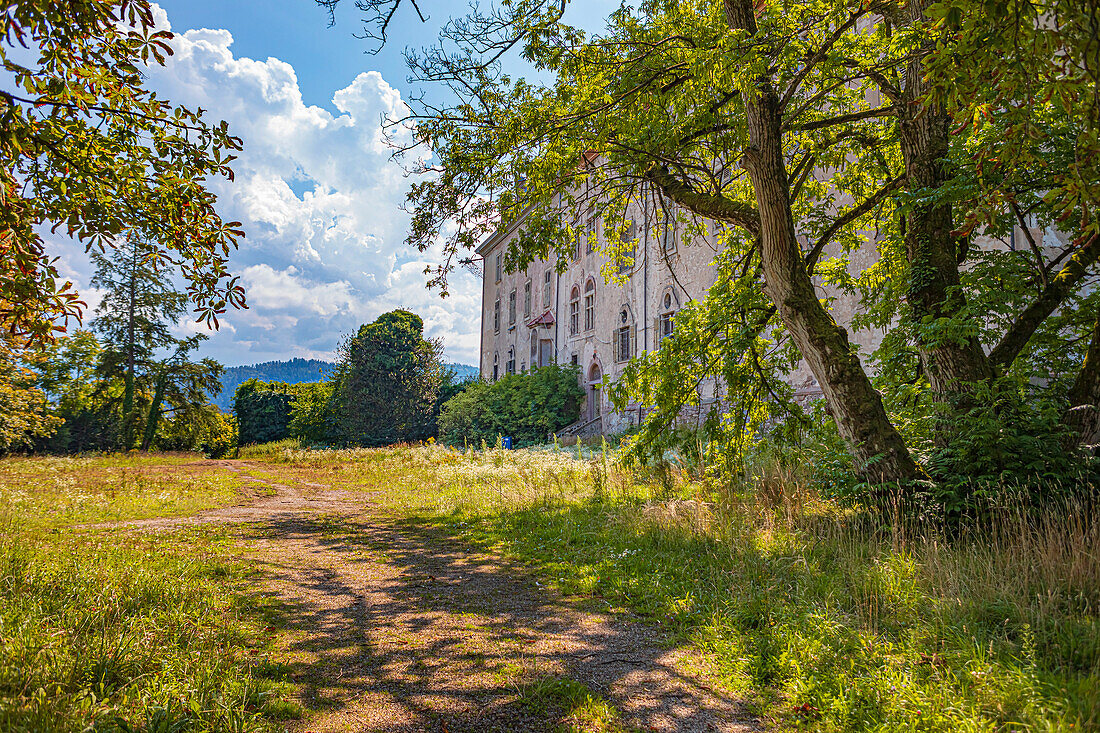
(293, 372)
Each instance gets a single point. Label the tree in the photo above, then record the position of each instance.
(86, 148)
(386, 382)
(796, 127)
(24, 417)
(135, 319)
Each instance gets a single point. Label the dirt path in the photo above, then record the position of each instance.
(396, 627)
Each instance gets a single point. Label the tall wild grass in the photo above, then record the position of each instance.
(824, 616)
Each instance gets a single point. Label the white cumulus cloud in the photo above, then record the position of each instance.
(319, 200)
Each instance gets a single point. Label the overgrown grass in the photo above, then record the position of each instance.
(819, 615)
(52, 492)
(112, 630)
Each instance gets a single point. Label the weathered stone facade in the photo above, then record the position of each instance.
(537, 316)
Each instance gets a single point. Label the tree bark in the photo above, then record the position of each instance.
(934, 293)
(880, 452)
(128, 381)
(1083, 415)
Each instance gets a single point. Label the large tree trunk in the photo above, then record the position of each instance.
(1083, 415)
(880, 452)
(951, 362)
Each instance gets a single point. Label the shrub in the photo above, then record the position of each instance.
(527, 407)
(311, 415)
(387, 381)
(263, 411)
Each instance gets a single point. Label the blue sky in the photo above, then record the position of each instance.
(315, 189)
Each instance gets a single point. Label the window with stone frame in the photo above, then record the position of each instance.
(623, 337)
(668, 237)
(527, 299)
(510, 367)
(574, 311)
(512, 308)
(666, 320)
(499, 268)
(627, 255)
(547, 285)
(496, 316)
(496, 367)
(590, 305)
(591, 234)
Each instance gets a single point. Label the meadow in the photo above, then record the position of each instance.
(106, 629)
(820, 616)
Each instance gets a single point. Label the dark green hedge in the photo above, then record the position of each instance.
(263, 410)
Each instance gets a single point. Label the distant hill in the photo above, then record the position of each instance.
(293, 372)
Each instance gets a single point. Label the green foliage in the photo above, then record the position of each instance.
(292, 371)
(24, 417)
(528, 407)
(1007, 446)
(1028, 99)
(86, 146)
(263, 411)
(387, 381)
(311, 414)
(663, 95)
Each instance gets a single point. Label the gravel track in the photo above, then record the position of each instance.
(394, 626)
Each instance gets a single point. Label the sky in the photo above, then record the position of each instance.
(315, 189)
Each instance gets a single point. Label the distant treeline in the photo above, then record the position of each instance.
(296, 371)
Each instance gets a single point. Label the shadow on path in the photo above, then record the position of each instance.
(401, 628)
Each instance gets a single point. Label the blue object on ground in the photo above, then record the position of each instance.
(506, 442)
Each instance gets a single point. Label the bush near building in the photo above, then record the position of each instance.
(527, 406)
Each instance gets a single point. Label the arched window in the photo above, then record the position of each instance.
(574, 311)
(510, 367)
(590, 305)
(624, 336)
(665, 321)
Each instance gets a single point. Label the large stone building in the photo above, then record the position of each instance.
(537, 316)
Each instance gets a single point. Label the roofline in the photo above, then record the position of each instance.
(494, 239)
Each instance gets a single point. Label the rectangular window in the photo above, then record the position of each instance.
(546, 285)
(622, 344)
(527, 299)
(496, 316)
(574, 317)
(498, 267)
(510, 367)
(664, 329)
(573, 360)
(589, 311)
(668, 237)
(626, 259)
(591, 233)
(512, 308)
